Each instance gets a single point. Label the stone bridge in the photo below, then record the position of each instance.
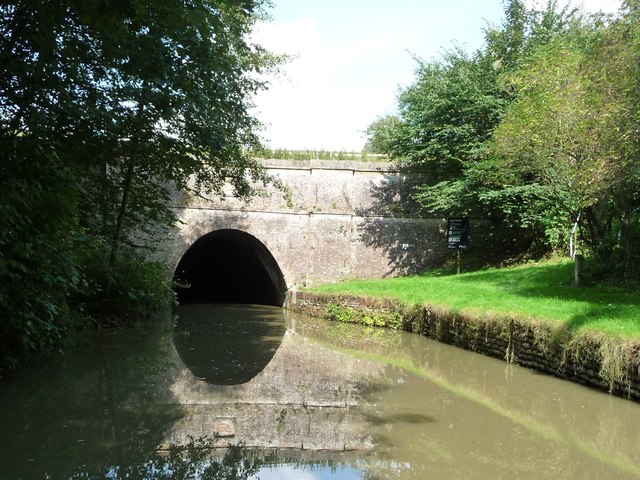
(332, 220)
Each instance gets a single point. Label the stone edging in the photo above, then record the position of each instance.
(596, 360)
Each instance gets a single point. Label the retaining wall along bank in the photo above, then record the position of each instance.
(596, 360)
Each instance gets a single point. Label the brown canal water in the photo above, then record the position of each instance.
(254, 392)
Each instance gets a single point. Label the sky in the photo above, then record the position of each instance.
(350, 58)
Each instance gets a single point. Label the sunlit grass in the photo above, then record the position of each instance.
(284, 154)
(540, 291)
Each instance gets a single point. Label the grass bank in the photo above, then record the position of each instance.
(531, 315)
(542, 291)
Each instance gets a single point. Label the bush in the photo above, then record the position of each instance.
(38, 254)
(133, 290)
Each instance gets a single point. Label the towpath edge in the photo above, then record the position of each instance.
(598, 360)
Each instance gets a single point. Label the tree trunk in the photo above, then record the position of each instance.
(126, 191)
(627, 240)
(578, 269)
(122, 211)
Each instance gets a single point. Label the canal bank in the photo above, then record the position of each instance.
(602, 361)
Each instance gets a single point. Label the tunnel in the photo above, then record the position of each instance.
(229, 266)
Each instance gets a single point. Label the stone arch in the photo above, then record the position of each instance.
(229, 266)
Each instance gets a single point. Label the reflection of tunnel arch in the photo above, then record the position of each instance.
(229, 266)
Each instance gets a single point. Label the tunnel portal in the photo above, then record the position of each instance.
(229, 266)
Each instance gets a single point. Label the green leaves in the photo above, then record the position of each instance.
(102, 104)
(447, 114)
(570, 129)
(38, 263)
(539, 124)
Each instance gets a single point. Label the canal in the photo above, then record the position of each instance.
(248, 392)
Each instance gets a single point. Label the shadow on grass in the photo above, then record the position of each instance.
(416, 246)
(555, 281)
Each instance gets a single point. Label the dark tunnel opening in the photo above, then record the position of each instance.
(229, 266)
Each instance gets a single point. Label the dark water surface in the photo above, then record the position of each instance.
(300, 398)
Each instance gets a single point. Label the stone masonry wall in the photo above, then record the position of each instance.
(332, 220)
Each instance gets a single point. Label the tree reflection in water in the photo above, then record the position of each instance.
(195, 460)
(203, 459)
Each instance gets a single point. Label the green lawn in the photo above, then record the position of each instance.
(541, 291)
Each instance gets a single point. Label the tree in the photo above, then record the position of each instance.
(38, 259)
(447, 119)
(614, 84)
(569, 143)
(446, 115)
(548, 163)
(379, 134)
(103, 104)
(456, 108)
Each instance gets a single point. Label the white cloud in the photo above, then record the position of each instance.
(323, 89)
(607, 6)
(287, 38)
(313, 94)
(341, 79)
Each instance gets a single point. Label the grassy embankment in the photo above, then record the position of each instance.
(541, 292)
(514, 311)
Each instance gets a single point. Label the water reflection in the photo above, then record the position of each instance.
(95, 405)
(199, 460)
(306, 397)
(478, 417)
(192, 461)
(335, 401)
(227, 344)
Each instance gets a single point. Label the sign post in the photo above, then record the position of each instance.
(458, 236)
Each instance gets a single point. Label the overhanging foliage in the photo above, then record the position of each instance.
(102, 104)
